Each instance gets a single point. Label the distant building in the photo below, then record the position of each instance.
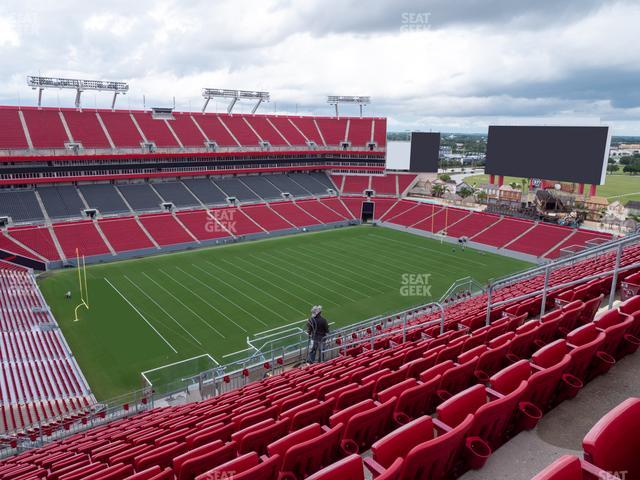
(633, 207)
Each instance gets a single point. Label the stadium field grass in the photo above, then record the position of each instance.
(153, 311)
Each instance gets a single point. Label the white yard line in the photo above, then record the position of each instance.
(308, 280)
(223, 297)
(366, 283)
(241, 292)
(426, 248)
(257, 287)
(288, 292)
(141, 315)
(184, 305)
(163, 310)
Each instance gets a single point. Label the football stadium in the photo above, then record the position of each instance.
(222, 291)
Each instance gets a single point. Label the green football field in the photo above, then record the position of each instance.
(149, 312)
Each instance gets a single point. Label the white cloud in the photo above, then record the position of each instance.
(507, 61)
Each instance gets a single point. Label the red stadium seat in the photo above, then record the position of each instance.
(570, 467)
(425, 455)
(492, 416)
(616, 326)
(245, 467)
(613, 443)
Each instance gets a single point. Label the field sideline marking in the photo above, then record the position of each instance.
(142, 316)
(328, 300)
(163, 310)
(240, 292)
(184, 305)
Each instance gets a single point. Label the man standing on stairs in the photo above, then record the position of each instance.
(317, 328)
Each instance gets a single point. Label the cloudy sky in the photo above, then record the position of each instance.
(450, 65)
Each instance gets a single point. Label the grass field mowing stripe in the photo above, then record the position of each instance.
(288, 305)
(251, 299)
(422, 247)
(333, 269)
(351, 265)
(412, 264)
(184, 305)
(308, 279)
(163, 309)
(297, 285)
(354, 257)
(314, 267)
(288, 292)
(203, 300)
(141, 315)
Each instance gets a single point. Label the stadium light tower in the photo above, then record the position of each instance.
(234, 95)
(78, 85)
(355, 100)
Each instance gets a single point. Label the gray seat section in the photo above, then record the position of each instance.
(21, 205)
(104, 197)
(309, 183)
(235, 188)
(323, 179)
(262, 187)
(140, 196)
(176, 193)
(285, 184)
(206, 191)
(62, 201)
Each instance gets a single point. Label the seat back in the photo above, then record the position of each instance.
(349, 467)
(366, 427)
(303, 459)
(459, 377)
(543, 385)
(550, 354)
(455, 410)
(509, 378)
(615, 325)
(257, 440)
(191, 464)
(267, 470)
(582, 355)
(522, 344)
(397, 389)
(492, 420)
(590, 309)
(419, 400)
(400, 442)
(436, 459)
(567, 467)
(613, 443)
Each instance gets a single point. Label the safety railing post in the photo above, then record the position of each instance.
(544, 291)
(489, 291)
(404, 328)
(614, 281)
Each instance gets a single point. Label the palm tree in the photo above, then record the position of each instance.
(438, 190)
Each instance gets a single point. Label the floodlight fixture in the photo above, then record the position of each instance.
(361, 101)
(234, 95)
(40, 83)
